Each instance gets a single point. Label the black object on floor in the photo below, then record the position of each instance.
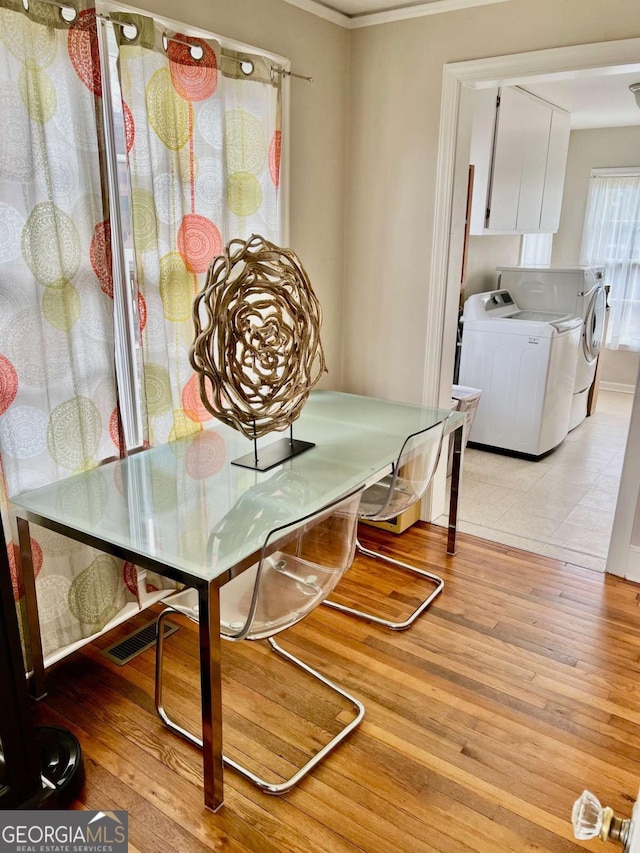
(39, 767)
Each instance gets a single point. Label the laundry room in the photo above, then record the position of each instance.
(554, 183)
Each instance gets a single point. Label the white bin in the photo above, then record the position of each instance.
(463, 399)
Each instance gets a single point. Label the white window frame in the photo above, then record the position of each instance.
(607, 172)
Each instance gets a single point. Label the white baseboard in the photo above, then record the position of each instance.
(632, 572)
(130, 609)
(617, 386)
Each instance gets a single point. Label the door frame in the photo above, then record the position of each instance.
(458, 81)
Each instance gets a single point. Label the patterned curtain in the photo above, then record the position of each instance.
(57, 386)
(204, 161)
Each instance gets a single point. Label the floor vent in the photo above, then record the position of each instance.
(139, 641)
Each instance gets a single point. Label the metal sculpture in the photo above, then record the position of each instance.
(257, 348)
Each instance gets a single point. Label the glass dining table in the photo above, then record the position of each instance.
(185, 511)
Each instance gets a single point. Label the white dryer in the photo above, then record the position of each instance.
(576, 290)
(525, 363)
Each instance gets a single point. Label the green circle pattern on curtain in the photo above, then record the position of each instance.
(244, 193)
(61, 306)
(73, 433)
(51, 245)
(170, 116)
(177, 287)
(145, 224)
(157, 389)
(246, 155)
(37, 92)
(94, 592)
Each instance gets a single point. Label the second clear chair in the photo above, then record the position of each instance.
(387, 499)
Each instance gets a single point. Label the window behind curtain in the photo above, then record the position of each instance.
(535, 249)
(612, 239)
(185, 181)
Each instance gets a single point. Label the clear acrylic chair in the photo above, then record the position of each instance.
(407, 483)
(299, 566)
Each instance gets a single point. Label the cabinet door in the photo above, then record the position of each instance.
(555, 172)
(507, 162)
(483, 128)
(534, 165)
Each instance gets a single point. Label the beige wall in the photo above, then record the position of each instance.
(619, 367)
(486, 252)
(593, 149)
(395, 94)
(318, 131)
(589, 149)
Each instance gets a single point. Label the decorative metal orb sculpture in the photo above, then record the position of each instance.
(257, 346)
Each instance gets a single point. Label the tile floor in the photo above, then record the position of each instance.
(561, 506)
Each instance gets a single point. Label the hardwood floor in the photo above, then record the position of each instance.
(517, 689)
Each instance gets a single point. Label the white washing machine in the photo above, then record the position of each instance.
(576, 290)
(525, 363)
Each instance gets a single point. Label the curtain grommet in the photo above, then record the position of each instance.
(129, 31)
(68, 13)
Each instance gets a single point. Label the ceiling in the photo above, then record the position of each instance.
(595, 102)
(364, 7)
(365, 13)
(592, 102)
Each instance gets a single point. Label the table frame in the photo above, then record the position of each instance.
(210, 643)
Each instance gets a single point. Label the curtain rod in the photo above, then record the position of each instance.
(274, 68)
(291, 74)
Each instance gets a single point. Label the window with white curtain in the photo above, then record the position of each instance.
(535, 249)
(612, 239)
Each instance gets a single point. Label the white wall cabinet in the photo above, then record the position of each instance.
(519, 148)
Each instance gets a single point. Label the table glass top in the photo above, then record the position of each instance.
(185, 507)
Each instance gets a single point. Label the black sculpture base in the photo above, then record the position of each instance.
(273, 454)
(61, 769)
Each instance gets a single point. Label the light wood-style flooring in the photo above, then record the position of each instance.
(520, 687)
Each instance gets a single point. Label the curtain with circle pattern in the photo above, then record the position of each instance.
(57, 385)
(203, 139)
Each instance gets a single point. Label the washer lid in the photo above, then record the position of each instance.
(539, 324)
(561, 322)
(539, 316)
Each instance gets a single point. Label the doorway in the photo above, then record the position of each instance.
(491, 478)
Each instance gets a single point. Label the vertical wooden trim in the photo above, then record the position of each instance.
(467, 225)
(18, 746)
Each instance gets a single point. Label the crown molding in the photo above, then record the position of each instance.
(418, 10)
(322, 12)
(435, 7)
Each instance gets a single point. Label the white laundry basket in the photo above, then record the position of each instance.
(463, 399)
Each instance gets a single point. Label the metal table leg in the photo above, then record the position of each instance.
(38, 685)
(211, 683)
(455, 489)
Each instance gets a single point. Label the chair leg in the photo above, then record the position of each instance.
(388, 623)
(263, 784)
